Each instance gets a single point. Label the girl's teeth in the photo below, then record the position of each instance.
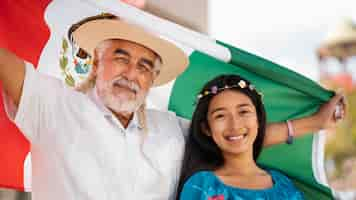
(235, 137)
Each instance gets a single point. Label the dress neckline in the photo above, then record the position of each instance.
(275, 183)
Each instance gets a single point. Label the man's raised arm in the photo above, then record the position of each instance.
(12, 74)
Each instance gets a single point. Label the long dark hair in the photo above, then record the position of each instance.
(201, 152)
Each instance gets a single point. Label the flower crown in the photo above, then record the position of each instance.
(215, 89)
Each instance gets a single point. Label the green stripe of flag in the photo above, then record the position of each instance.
(286, 95)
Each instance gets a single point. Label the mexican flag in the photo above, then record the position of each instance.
(37, 32)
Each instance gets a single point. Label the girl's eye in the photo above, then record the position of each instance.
(219, 116)
(242, 112)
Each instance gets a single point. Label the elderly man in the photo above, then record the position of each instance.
(108, 146)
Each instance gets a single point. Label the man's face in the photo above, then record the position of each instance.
(125, 72)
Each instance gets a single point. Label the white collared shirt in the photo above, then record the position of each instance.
(81, 151)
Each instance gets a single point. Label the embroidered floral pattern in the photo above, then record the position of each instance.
(217, 197)
(204, 185)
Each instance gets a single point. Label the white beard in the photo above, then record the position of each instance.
(120, 102)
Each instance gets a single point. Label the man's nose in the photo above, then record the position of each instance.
(130, 72)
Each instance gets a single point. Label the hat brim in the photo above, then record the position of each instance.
(90, 34)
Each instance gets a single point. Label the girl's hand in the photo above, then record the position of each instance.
(331, 112)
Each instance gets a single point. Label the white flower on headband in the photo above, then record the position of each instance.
(242, 84)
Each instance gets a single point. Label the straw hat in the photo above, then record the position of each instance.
(174, 61)
(340, 43)
(344, 33)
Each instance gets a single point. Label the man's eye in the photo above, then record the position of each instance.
(122, 59)
(143, 68)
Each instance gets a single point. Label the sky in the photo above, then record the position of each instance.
(286, 32)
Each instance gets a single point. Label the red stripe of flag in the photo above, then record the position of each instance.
(23, 31)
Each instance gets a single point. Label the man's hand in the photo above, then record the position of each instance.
(12, 74)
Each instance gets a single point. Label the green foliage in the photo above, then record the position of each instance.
(352, 114)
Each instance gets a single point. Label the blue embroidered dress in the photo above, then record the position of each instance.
(205, 185)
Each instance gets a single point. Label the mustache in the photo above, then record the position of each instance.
(123, 82)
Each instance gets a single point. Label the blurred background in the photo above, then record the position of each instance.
(315, 38)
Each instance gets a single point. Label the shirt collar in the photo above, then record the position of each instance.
(93, 95)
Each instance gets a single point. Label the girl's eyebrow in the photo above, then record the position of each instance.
(243, 105)
(216, 110)
(222, 108)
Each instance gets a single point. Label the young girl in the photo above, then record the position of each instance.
(225, 140)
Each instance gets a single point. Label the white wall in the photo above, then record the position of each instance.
(190, 13)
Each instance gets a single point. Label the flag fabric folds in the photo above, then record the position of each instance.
(37, 32)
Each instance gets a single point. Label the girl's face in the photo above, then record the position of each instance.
(233, 122)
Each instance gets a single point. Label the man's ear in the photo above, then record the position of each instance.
(205, 129)
(156, 74)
